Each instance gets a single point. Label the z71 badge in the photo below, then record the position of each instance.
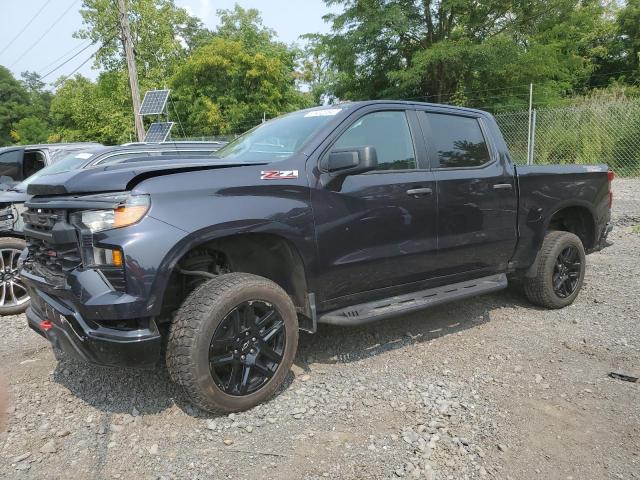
(278, 174)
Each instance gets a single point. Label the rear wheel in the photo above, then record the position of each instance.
(14, 297)
(559, 271)
(232, 342)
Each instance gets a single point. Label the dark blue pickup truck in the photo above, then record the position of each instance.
(342, 214)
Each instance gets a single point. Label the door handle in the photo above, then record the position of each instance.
(503, 186)
(419, 191)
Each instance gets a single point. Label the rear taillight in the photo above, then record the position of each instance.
(610, 177)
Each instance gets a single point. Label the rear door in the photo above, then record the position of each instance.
(477, 198)
(375, 229)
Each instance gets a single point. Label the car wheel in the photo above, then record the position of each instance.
(14, 298)
(232, 342)
(558, 272)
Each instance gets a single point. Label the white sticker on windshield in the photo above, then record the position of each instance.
(84, 156)
(328, 112)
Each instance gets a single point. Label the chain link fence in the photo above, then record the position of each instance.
(597, 132)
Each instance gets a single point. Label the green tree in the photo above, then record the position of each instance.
(14, 104)
(244, 25)
(317, 73)
(628, 21)
(242, 74)
(162, 35)
(443, 51)
(29, 130)
(35, 127)
(225, 88)
(83, 110)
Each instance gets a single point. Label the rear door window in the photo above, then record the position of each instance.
(458, 141)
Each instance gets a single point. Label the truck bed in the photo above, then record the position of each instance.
(546, 189)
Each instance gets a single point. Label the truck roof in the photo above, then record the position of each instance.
(364, 103)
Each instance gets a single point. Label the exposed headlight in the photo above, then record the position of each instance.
(129, 211)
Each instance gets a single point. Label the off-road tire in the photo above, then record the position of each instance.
(16, 244)
(539, 287)
(193, 327)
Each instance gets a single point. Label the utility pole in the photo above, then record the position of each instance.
(131, 66)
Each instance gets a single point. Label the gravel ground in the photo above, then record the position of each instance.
(485, 388)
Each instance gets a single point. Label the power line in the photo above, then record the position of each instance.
(79, 66)
(53, 62)
(66, 61)
(84, 44)
(25, 27)
(32, 46)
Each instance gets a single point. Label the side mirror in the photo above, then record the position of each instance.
(351, 161)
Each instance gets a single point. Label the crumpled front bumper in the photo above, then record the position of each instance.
(89, 341)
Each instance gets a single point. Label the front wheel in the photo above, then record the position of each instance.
(14, 297)
(558, 271)
(232, 342)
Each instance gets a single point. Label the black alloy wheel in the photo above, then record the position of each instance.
(566, 274)
(556, 277)
(14, 297)
(247, 348)
(232, 342)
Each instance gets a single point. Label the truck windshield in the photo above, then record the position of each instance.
(277, 139)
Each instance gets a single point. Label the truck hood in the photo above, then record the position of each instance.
(122, 176)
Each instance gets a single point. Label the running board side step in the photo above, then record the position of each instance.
(390, 307)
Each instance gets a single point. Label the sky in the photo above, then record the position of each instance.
(48, 40)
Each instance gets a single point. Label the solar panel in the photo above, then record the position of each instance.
(158, 132)
(154, 102)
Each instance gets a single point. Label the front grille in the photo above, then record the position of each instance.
(59, 258)
(52, 244)
(54, 248)
(42, 219)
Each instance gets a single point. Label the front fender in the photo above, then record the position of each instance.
(210, 205)
(298, 238)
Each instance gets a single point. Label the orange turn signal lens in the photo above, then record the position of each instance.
(116, 256)
(128, 215)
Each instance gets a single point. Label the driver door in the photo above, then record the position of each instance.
(376, 229)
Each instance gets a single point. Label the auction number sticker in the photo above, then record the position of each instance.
(327, 112)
